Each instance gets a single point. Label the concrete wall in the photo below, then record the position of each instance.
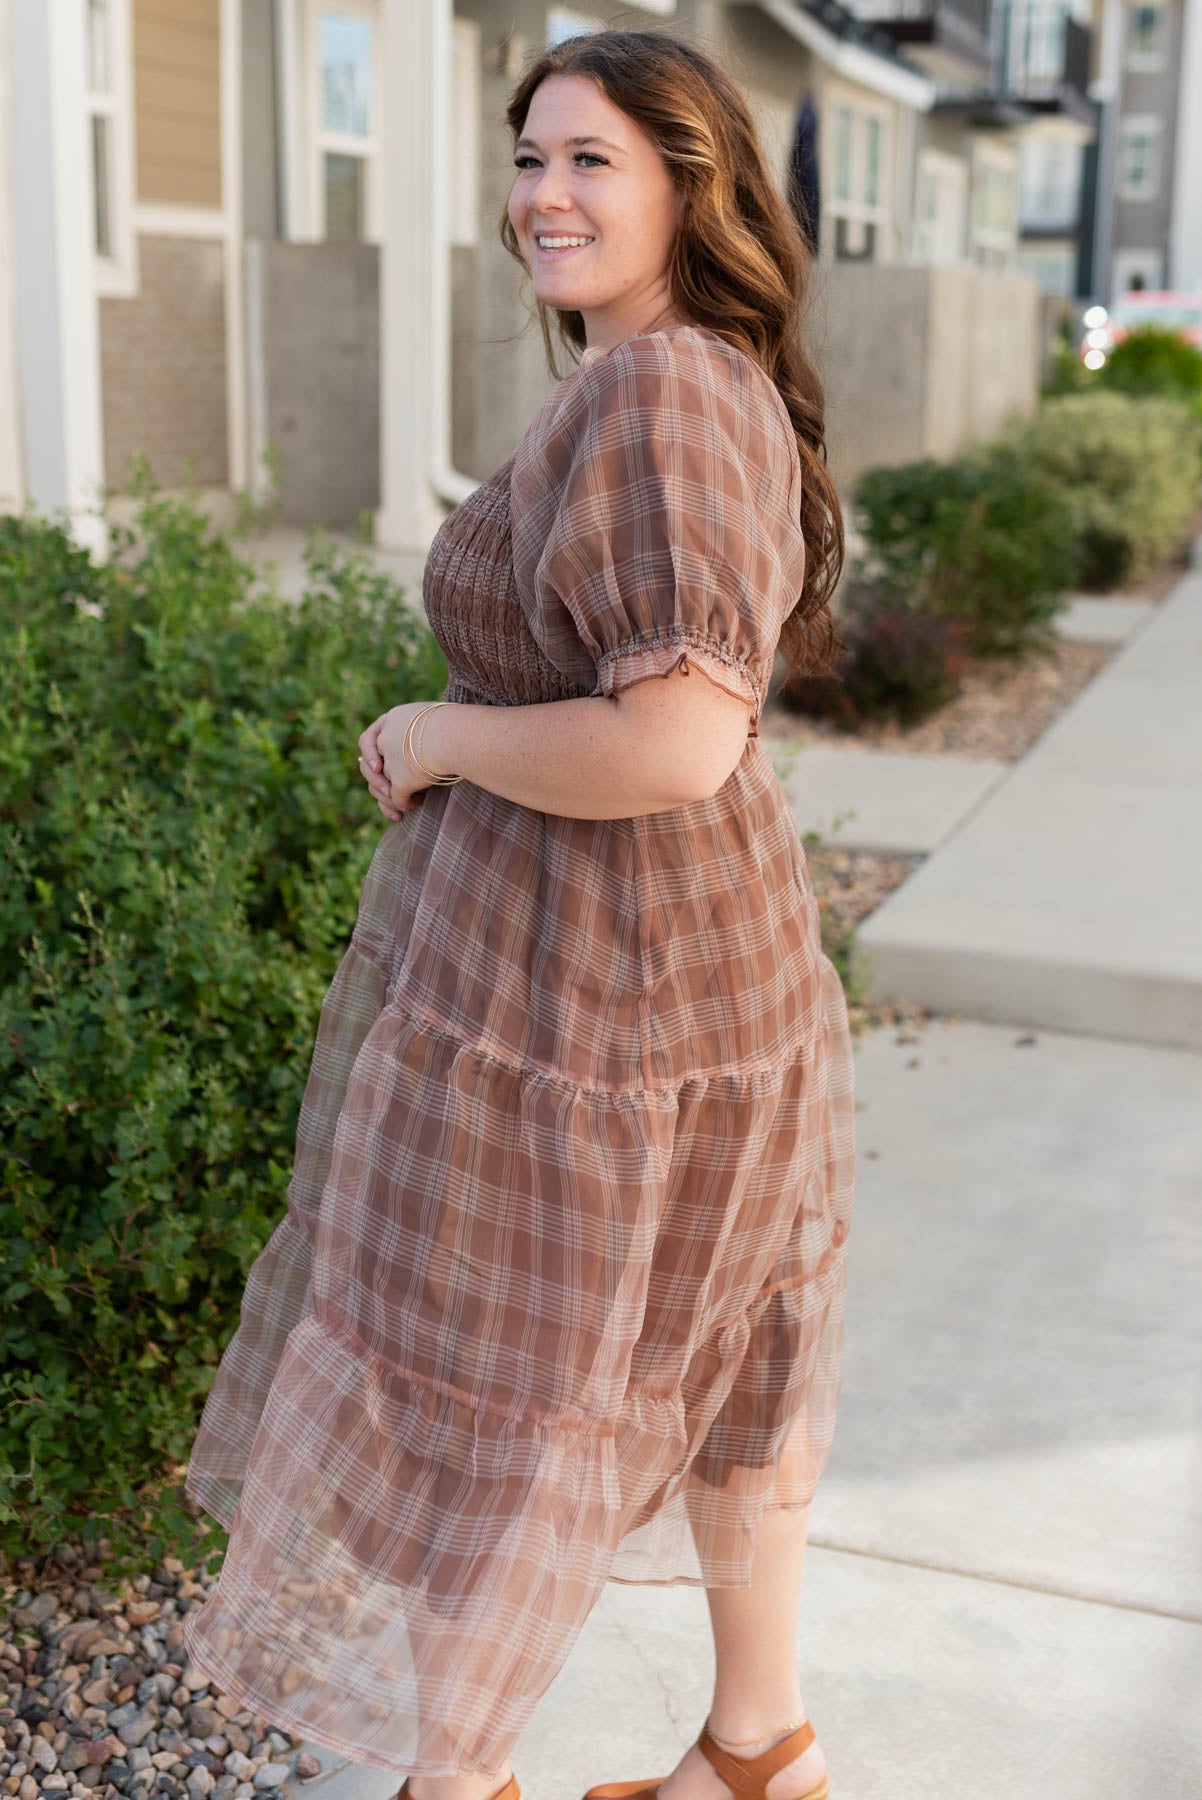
(313, 353)
(920, 361)
(162, 365)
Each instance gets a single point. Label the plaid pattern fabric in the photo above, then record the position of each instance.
(558, 1297)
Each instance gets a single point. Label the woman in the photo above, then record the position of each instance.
(558, 1298)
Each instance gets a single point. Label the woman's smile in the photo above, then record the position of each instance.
(554, 246)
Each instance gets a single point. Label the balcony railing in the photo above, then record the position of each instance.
(973, 12)
(1049, 51)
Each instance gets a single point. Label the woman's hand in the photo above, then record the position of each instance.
(392, 783)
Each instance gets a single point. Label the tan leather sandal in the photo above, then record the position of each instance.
(511, 1791)
(747, 1777)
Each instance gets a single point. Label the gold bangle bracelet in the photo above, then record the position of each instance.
(417, 728)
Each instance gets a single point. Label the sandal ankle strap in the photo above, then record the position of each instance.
(749, 1775)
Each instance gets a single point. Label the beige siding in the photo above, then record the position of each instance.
(177, 90)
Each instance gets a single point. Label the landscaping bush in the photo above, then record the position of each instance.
(1150, 362)
(1127, 469)
(979, 539)
(899, 663)
(183, 837)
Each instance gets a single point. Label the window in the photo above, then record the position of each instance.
(345, 46)
(993, 227)
(859, 149)
(1052, 266)
(1050, 183)
(1037, 44)
(1135, 270)
(940, 204)
(107, 92)
(1137, 175)
(1145, 36)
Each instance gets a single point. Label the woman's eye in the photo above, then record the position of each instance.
(590, 156)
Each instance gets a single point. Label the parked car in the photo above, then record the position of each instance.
(1107, 326)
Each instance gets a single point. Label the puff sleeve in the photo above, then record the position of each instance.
(656, 521)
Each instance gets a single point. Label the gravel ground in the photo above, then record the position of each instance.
(98, 1697)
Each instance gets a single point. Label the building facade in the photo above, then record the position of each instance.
(256, 240)
(1150, 187)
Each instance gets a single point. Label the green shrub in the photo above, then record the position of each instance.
(183, 836)
(1067, 374)
(979, 539)
(899, 663)
(1151, 361)
(1127, 469)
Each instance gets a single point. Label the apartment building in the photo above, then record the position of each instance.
(1150, 207)
(233, 231)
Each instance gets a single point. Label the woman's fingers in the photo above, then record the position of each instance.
(369, 748)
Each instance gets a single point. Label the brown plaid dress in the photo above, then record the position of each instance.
(559, 1294)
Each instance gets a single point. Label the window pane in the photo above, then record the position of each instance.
(102, 204)
(99, 58)
(344, 48)
(1145, 30)
(872, 173)
(344, 198)
(842, 153)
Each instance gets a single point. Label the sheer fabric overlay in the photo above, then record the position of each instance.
(558, 1297)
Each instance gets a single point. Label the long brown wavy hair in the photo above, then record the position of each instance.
(739, 267)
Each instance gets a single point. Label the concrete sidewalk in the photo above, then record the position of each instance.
(1072, 897)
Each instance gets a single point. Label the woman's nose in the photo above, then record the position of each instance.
(550, 191)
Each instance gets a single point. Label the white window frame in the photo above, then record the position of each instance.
(1149, 263)
(857, 210)
(948, 173)
(117, 273)
(322, 142)
(993, 246)
(1148, 125)
(466, 149)
(1145, 59)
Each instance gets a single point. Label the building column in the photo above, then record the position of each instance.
(55, 323)
(410, 512)
(1185, 231)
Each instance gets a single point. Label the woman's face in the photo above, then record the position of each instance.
(594, 210)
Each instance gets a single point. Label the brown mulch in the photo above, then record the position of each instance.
(1002, 709)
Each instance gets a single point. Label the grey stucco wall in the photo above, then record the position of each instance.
(315, 373)
(1144, 224)
(920, 361)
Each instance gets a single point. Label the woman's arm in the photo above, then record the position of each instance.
(660, 743)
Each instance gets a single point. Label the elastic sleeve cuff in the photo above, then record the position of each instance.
(641, 658)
